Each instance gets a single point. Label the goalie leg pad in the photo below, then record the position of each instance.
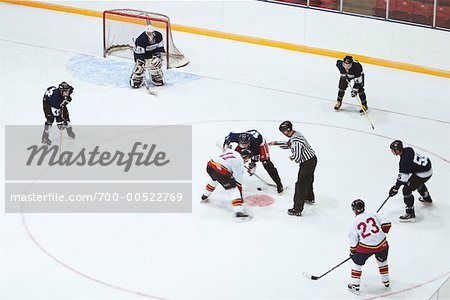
(156, 74)
(137, 77)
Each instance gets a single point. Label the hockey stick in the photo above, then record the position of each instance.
(60, 141)
(362, 107)
(312, 277)
(383, 203)
(262, 179)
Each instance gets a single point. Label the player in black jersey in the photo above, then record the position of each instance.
(253, 141)
(414, 171)
(351, 69)
(55, 103)
(148, 47)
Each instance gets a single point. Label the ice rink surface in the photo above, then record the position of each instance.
(228, 86)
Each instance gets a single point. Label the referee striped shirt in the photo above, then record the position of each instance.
(301, 150)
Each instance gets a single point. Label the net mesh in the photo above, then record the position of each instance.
(122, 26)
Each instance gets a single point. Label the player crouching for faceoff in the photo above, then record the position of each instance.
(367, 236)
(228, 170)
(351, 69)
(414, 171)
(55, 103)
(147, 55)
(252, 140)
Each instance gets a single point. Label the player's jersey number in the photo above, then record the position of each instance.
(49, 92)
(420, 160)
(226, 156)
(368, 227)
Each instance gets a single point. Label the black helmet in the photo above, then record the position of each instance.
(397, 145)
(245, 153)
(358, 206)
(244, 138)
(348, 59)
(64, 86)
(286, 125)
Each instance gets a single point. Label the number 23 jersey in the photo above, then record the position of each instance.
(368, 233)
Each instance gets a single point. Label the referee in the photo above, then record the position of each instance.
(304, 155)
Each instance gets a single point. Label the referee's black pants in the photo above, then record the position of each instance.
(304, 185)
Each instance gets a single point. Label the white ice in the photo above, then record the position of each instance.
(205, 254)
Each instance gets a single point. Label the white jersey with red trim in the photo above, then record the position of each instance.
(234, 162)
(368, 232)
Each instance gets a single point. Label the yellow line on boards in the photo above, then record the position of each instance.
(251, 40)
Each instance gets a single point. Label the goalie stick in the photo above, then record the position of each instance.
(149, 90)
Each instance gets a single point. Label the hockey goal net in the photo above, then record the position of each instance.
(122, 26)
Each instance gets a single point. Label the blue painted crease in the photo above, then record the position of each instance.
(116, 73)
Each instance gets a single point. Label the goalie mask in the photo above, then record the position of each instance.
(150, 31)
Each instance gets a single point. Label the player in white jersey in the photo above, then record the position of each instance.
(367, 236)
(228, 170)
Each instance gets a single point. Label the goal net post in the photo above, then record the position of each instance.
(122, 26)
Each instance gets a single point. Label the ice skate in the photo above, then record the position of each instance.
(408, 218)
(45, 139)
(338, 105)
(354, 288)
(293, 212)
(70, 132)
(363, 109)
(204, 199)
(387, 285)
(426, 198)
(242, 216)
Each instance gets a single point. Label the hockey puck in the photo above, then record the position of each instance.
(259, 189)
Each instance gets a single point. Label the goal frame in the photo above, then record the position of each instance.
(117, 12)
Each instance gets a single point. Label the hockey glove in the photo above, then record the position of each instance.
(251, 168)
(354, 93)
(66, 101)
(393, 191)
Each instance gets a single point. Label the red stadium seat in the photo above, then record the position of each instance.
(314, 2)
(401, 10)
(329, 4)
(443, 16)
(422, 13)
(443, 2)
(301, 2)
(380, 8)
